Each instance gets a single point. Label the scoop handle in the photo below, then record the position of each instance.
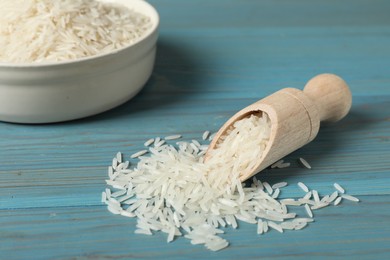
(331, 95)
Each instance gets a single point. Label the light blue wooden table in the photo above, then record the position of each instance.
(215, 57)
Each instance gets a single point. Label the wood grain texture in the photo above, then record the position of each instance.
(214, 58)
(295, 117)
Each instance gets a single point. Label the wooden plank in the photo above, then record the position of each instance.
(92, 232)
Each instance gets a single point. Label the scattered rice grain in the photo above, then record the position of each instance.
(279, 185)
(268, 187)
(35, 31)
(276, 164)
(149, 142)
(316, 197)
(308, 210)
(303, 187)
(259, 227)
(337, 201)
(172, 137)
(284, 165)
(206, 135)
(339, 188)
(172, 190)
(138, 154)
(275, 226)
(304, 163)
(276, 193)
(332, 197)
(349, 197)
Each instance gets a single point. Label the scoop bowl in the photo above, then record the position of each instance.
(295, 117)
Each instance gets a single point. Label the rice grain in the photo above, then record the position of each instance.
(172, 137)
(339, 188)
(138, 154)
(303, 187)
(308, 210)
(304, 163)
(337, 201)
(349, 197)
(174, 191)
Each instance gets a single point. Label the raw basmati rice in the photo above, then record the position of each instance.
(325, 199)
(319, 206)
(108, 193)
(290, 202)
(349, 197)
(265, 226)
(339, 188)
(113, 210)
(143, 231)
(195, 142)
(156, 140)
(119, 157)
(205, 135)
(279, 185)
(173, 191)
(260, 227)
(275, 226)
(159, 143)
(300, 226)
(316, 197)
(288, 225)
(172, 137)
(308, 195)
(332, 197)
(276, 164)
(308, 210)
(104, 197)
(118, 193)
(127, 214)
(337, 201)
(284, 165)
(300, 220)
(211, 137)
(149, 142)
(304, 163)
(303, 187)
(276, 193)
(45, 30)
(267, 187)
(305, 201)
(138, 154)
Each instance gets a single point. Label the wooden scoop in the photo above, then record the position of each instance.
(295, 116)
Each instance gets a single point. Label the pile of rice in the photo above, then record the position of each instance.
(46, 30)
(172, 190)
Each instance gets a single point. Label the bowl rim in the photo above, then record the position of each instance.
(152, 13)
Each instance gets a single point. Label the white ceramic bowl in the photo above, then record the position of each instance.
(60, 91)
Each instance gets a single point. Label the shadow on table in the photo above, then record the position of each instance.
(174, 79)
